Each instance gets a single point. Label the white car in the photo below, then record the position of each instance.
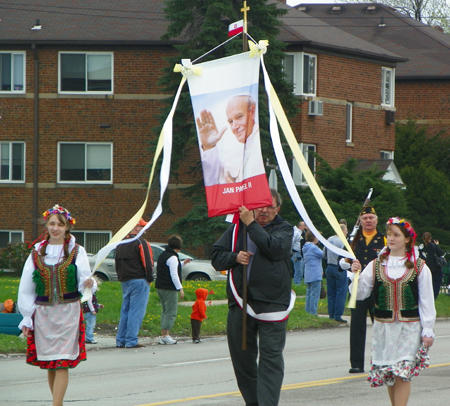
(196, 270)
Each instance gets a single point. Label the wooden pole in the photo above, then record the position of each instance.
(244, 229)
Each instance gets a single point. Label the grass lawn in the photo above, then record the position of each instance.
(110, 294)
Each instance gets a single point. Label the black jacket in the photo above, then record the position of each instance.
(134, 260)
(367, 253)
(163, 278)
(428, 252)
(269, 284)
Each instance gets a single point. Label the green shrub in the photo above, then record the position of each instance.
(13, 257)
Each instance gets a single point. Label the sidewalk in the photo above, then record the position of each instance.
(105, 341)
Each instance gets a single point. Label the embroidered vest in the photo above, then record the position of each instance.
(396, 298)
(56, 282)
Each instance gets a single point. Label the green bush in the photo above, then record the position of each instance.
(13, 257)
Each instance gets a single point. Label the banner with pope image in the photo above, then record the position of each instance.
(225, 103)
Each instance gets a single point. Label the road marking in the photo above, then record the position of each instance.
(311, 384)
(196, 362)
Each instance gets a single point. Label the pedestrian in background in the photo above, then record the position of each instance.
(90, 310)
(337, 282)
(198, 314)
(312, 255)
(428, 251)
(134, 267)
(168, 284)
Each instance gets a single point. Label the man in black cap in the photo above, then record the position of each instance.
(368, 244)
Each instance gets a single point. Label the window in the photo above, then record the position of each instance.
(301, 71)
(80, 162)
(309, 155)
(348, 136)
(92, 241)
(86, 72)
(386, 154)
(10, 236)
(12, 72)
(12, 162)
(387, 86)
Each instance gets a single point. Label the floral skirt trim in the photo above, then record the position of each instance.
(385, 374)
(60, 363)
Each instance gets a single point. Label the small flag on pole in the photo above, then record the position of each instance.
(235, 28)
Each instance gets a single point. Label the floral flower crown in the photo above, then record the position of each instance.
(57, 209)
(402, 222)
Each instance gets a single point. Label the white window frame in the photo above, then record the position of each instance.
(390, 86)
(12, 53)
(13, 231)
(60, 91)
(297, 174)
(388, 154)
(85, 181)
(10, 180)
(298, 73)
(349, 123)
(86, 245)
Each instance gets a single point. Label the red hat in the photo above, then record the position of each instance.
(142, 223)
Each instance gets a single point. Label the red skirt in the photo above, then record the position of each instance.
(59, 363)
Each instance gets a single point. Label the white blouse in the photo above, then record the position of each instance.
(27, 288)
(395, 270)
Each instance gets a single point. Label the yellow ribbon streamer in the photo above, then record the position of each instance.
(352, 301)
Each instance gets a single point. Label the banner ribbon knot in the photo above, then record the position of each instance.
(258, 49)
(186, 68)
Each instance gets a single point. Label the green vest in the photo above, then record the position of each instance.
(60, 278)
(396, 298)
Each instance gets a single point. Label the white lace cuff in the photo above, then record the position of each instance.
(427, 332)
(26, 322)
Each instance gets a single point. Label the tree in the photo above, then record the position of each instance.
(345, 189)
(200, 26)
(424, 165)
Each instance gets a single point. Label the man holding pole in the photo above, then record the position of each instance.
(267, 257)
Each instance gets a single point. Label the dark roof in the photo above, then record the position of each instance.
(299, 28)
(86, 21)
(427, 48)
(143, 22)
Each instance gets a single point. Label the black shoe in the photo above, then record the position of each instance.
(356, 371)
(341, 320)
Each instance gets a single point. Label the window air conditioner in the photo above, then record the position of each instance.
(315, 108)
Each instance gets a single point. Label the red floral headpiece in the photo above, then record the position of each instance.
(402, 222)
(57, 209)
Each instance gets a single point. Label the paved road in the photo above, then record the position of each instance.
(194, 375)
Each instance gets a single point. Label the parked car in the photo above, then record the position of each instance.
(196, 270)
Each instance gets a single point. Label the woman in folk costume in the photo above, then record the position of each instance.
(54, 274)
(404, 311)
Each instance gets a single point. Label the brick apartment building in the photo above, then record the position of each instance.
(79, 99)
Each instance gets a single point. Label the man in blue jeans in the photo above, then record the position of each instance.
(337, 284)
(134, 266)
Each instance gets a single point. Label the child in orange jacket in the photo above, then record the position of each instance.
(198, 314)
